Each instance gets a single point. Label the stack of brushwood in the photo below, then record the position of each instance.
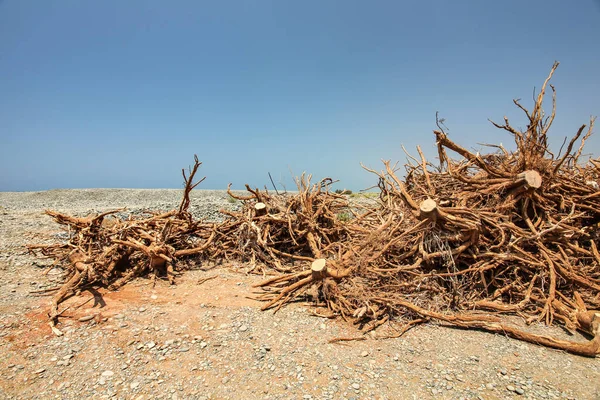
(107, 251)
(471, 242)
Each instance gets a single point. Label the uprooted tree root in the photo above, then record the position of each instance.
(468, 242)
(110, 252)
(274, 231)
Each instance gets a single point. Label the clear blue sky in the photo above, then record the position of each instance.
(118, 93)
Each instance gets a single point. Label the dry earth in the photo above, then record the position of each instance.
(209, 341)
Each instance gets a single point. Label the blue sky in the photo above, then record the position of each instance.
(119, 93)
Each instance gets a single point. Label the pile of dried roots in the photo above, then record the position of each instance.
(273, 231)
(107, 251)
(468, 242)
(465, 242)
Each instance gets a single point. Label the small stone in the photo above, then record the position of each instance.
(489, 386)
(510, 388)
(503, 372)
(184, 349)
(243, 328)
(364, 354)
(150, 345)
(141, 309)
(355, 386)
(225, 380)
(203, 344)
(154, 297)
(39, 371)
(108, 373)
(519, 391)
(134, 385)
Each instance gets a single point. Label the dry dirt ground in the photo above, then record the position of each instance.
(210, 341)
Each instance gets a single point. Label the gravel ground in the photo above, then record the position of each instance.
(210, 341)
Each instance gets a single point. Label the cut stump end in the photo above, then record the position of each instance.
(531, 179)
(319, 268)
(260, 209)
(428, 208)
